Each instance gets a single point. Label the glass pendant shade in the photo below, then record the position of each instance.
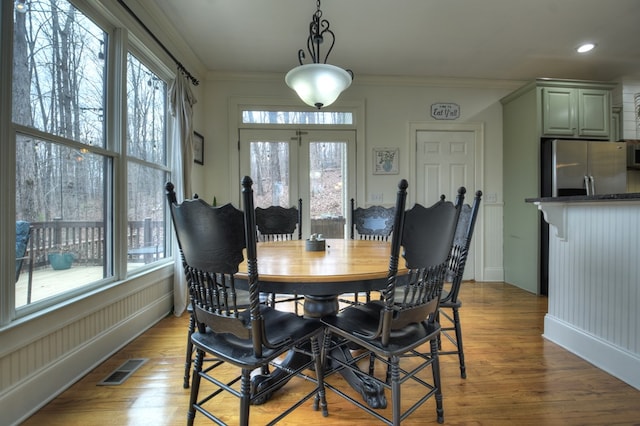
(318, 85)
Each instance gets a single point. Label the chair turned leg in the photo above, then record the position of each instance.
(394, 368)
(189, 355)
(435, 367)
(458, 329)
(320, 398)
(195, 387)
(245, 397)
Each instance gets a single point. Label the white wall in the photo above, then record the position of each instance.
(390, 104)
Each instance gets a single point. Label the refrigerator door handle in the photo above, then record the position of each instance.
(587, 184)
(593, 185)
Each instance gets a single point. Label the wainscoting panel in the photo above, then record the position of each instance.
(594, 288)
(65, 350)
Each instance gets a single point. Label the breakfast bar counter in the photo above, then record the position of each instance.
(594, 279)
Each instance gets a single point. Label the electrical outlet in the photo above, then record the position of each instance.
(491, 198)
(376, 197)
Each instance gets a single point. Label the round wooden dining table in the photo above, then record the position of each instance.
(345, 266)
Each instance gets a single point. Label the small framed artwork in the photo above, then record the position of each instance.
(385, 161)
(198, 148)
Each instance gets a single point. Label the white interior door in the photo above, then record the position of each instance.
(317, 166)
(445, 162)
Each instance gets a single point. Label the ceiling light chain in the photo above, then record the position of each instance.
(317, 29)
(318, 84)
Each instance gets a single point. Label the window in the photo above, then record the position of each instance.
(147, 160)
(251, 116)
(67, 151)
(61, 164)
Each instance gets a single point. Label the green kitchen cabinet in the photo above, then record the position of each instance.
(576, 112)
(541, 109)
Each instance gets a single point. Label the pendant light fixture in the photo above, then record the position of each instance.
(318, 84)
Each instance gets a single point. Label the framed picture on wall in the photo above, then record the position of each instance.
(385, 161)
(198, 148)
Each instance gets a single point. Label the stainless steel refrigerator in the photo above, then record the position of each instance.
(588, 167)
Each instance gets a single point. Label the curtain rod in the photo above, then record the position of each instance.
(181, 67)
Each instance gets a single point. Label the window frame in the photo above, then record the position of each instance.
(121, 41)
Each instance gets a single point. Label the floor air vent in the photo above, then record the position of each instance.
(123, 372)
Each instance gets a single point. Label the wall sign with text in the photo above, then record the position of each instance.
(445, 111)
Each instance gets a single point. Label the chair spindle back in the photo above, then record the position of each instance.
(211, 242)
(426, 237)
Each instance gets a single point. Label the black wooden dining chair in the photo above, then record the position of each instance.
(277, 223)
(449, 302)
(212, 241)
(242, 299)
(392, 330)
(369, 223)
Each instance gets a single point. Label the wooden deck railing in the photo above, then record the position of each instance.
(86, 239)
(330, 227)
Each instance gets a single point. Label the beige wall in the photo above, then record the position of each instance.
(390, 104)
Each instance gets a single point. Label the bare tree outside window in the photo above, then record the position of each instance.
(64, 165)
(146, 170)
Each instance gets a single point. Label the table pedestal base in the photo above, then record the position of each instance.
(320, 306)
(317, 307)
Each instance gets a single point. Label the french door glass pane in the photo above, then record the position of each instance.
(327, 177)
(270, 173)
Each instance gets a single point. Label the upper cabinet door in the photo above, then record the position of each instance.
(559, 106)
(576, 113)
(594, 112)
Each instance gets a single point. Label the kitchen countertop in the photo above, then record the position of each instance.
(634, 196)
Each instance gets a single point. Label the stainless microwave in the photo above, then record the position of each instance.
(633, 155)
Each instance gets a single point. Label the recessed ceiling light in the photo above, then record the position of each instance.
(584, 48)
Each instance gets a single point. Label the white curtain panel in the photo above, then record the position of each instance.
(181, 102)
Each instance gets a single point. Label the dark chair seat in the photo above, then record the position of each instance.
(242, 300)
(363, 321)
(283, 327)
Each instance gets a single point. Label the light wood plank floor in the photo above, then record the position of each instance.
(514, 377)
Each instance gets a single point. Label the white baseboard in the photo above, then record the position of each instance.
(614, 360)
(493, 274)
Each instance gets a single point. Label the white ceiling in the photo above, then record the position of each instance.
(489, 39)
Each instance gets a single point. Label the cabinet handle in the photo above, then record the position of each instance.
(587, 185)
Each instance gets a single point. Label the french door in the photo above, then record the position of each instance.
(316, 166)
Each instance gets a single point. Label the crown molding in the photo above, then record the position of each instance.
(364, 80)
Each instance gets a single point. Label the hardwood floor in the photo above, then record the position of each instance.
(514, 376)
